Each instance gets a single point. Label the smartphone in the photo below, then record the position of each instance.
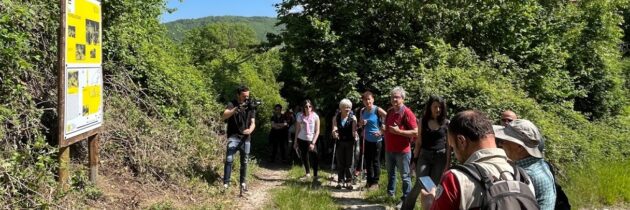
(427, 183)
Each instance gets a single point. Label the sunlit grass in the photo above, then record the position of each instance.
(296, 194)
(598, 183)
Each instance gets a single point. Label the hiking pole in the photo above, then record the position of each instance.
(362, 174)
(332, 165)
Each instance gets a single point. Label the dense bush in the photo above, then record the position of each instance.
(27, 103)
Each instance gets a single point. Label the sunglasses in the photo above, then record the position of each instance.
(507, 120)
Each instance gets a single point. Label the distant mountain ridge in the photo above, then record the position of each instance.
(260, 25)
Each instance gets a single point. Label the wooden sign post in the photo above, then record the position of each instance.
(80, 82)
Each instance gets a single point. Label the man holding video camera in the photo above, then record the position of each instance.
(240, 116)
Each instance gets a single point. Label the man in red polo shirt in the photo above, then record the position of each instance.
(400, 128)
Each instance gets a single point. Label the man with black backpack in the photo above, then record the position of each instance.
(486, 180)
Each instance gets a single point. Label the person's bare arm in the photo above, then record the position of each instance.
(229, 111)
(251, 128)
(316, 135)
(406, 133)
(416, 150)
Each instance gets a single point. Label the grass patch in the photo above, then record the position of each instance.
(301, 194)
(598, 183)
(380, 195)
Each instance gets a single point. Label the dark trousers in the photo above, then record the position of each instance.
(431, 163)
(373, 161)
(293, 154)
(344, 160)
(308, 156)
(278, 140)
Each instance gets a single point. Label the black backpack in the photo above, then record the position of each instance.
(502, 193)
(562, 201)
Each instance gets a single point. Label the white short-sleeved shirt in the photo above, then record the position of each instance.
(302, 134)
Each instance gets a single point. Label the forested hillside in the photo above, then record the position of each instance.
(261, 25)
(555, 63)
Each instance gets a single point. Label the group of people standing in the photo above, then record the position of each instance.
(469, 136)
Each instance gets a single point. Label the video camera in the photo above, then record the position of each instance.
(251, 104)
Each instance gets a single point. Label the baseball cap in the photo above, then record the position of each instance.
(521, 132)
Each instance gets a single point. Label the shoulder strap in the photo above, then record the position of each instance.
(477, 173)
(469, 170)
(379, 122)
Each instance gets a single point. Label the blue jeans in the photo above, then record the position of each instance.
(235, 143)
(400, 161)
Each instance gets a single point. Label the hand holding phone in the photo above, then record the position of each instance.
(427, 183)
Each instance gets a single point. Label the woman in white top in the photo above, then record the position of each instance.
(307, 128)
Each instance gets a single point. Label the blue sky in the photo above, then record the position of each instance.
(201, 8)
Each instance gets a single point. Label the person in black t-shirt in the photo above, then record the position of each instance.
(279, 133)
(241, 124)
(431, 155)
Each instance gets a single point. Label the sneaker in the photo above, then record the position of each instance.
(244, 187)
(399, 205)
(338, 186)
(349, 186)
(373, 187)
(305, 177)
(225, 188)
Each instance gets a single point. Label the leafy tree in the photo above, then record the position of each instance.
(548, 48)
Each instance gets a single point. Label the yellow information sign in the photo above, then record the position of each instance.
(83, 72)
(83, 32)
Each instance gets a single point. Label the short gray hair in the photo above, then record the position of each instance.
(399, 90)
(345, 102)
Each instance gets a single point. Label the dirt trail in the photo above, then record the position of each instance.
(272, 176)
(352, 199)
(267, 177)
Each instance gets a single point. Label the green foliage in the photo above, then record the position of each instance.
(625, 13)
(227, 54)
(261, 25)
(162, 205)
(557, 52)
(609, 188)
(27, 162)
